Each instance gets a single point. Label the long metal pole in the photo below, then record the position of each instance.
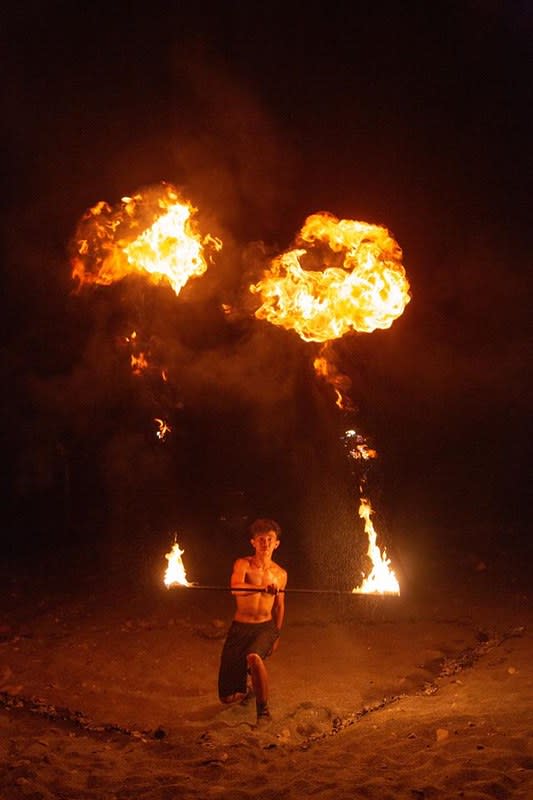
(252, 590)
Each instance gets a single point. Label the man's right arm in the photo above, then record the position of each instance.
(238, 577)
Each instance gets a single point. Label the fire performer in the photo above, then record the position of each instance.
(255, 629)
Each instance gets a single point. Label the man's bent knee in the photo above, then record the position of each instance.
(236, 697)
(253, 660)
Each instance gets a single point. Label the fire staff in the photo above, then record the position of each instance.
(255, 629)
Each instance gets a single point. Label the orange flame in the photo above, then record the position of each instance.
(138, 363)
(381, 579)
(326, 368)
(175, 572)
(152, 233)
(163, 429)
(355, 280)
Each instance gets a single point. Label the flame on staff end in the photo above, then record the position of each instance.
(362, 287)
(151, 233)
(381, 579)
(175, 572)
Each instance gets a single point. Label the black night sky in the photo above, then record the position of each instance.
(410, 115)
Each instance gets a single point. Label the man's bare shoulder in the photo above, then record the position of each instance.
(243, 561)
(280, 572)
(241, 566)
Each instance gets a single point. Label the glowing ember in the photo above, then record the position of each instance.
(152, 233)
(175, 572)
(357, 446)
(381, 579)
(138, 363)
(163, 429)
(353, 280)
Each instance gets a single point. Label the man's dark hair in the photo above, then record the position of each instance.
(264, 525)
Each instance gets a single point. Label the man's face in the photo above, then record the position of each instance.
(264, 544)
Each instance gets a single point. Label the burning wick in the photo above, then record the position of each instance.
(175, 572)
(382, 579)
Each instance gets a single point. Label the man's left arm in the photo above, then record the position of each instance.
(278, 609)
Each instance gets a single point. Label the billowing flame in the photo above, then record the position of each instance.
(381, 579)
(175, 572)
(343, 276)
(152, 233)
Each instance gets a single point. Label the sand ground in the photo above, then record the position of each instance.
(110, 694)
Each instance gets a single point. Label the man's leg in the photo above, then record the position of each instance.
(259, 683)
(232, 669)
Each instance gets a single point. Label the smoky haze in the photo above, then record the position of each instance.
(258, 132)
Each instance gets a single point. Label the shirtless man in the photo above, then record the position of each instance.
(254, 631)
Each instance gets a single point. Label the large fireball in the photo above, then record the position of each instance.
(343, 275)
(153, 233)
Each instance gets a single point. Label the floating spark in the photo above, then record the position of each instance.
(138, 363)
(357, 447)
(163, 429)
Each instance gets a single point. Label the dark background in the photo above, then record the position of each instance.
(410, 115)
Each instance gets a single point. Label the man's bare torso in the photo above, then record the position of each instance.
(256, 606)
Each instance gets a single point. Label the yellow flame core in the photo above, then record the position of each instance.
(381, 579)
(151, 233)
(175, 572)
(365, 290)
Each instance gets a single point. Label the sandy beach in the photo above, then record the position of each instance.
(111, 695)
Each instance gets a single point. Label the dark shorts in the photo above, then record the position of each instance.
(243, 638)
